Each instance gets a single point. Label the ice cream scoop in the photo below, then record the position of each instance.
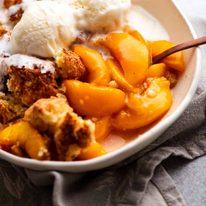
(106, 15)
(45, 28)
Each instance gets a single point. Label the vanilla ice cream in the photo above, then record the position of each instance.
(106, 15)
(45, 28)
(48, 26)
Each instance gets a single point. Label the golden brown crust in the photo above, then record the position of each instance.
(29, 85)
(8, 3)
(73, 130)
(2, 30)
(55, 117)
(45, 114)
(16, 16)
(69, 65)
(6, 115)
(73, 152)
(10, 109)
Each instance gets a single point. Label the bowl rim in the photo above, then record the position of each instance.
(105, 161)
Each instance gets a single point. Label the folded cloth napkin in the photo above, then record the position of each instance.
(141, 180)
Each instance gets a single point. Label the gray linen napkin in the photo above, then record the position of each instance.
(140, 180)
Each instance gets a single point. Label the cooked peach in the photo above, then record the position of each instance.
(174, 61)
(23, 135)
(132, 55)
(92, 151)
(118, 76)
(102, 128)
(157, 70)
(138, 36)
(98, 72)
(145, 109)
(2, 30)
(93, 101)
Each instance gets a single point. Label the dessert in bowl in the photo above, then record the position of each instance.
(79, 90)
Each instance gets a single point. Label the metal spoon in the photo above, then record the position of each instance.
(179, 47)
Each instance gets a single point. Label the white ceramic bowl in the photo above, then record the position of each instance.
(171, 17)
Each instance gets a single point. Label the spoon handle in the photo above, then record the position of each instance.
(179, 47)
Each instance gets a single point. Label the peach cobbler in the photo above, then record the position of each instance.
(76, 78)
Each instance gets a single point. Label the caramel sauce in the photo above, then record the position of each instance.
(121, 138)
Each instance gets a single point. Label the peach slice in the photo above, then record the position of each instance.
(132, 55)
(102, 128)
(22, 135)
(157, 70)
(145, 109)
(138, 36)
(174, 61)
(98, 72)
(118, 76)
(92, 151)
(93, 101)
